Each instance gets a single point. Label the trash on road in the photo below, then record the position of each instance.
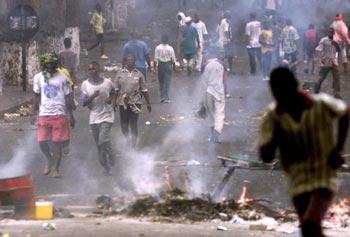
(49, 226)
(221, 228)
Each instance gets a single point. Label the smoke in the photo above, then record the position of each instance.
(20, 162)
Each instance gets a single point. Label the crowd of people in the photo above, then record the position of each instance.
(298, 124)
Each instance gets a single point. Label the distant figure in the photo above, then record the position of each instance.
(69, 59)
(51, 103)
(179, 37)
(131, 89)
(98, 94)
(140, 51)
(328, 50)
(288, 38)
(203, 34)
(164, 58)
(97, 21)
(225, 41)
(341, 36)
(310, 43)
(266, 41)
(301, 127)
(190, 44)
(252, 32)
(214, 79)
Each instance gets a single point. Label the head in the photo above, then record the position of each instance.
(130, 61)
(215, 52)
(49, 62)
(330, 33)
(196, 17)
(188, 20)
(133, 35)
(289, 22)
(284, 85)
(98, 7)
(339, 16)
(94, 69)
(180, 16)
(67, 43)
(252, 16)
(165, 39)
(311, 26)
(266, 25)
(227, 15)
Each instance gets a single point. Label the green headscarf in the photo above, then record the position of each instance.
(45, 58)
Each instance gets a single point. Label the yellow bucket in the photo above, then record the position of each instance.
(43, 210)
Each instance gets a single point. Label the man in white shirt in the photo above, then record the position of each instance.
(225, 38)
(202, 33)
(214, 80)
(253, 31)
(164, 57)
(98, 95)
(52, 103)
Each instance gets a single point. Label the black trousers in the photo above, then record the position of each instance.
(128, 121)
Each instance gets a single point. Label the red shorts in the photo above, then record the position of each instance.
(53, 128)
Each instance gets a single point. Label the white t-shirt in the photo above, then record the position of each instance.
(253, 30)
(201, 29)
(164, 53)
(100, 110)
(213, 76)
(222, 29)
(52, 93)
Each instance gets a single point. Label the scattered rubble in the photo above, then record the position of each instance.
(175, 206)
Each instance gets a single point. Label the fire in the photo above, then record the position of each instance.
(338, 213)
(243, 199)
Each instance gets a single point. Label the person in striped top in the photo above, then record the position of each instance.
(300, 125)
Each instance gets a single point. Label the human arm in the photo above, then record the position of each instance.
(36, 103)
(147, 99)
(267, 139)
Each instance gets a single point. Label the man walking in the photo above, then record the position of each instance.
(69, 59)
(300, 125)
(225, 38)
(52, 103)
(341, 36)
(190, 44)
(164, 58)
(97, 21)
(328, 50)
(288, 39)
(131, 88)
(202, 34)
(98, 95)
(253, 31)
(214, 79)
(140, 51)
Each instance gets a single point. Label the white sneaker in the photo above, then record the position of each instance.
(104, 56)
(266, 78)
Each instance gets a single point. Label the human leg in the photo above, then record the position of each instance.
(251, 61)
(161, 79)
(323, 74)
(133, 126)
(107, 158)
(336, 81)
(124, 121)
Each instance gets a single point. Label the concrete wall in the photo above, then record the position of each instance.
(58, 20)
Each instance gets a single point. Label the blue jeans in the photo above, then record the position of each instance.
(254, 53)
(164, 77)
(266, 62)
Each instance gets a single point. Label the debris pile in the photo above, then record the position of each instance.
(175, 206)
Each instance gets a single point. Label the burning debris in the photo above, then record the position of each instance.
(176, 206)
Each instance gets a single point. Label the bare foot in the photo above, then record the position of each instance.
(56, 174)
(46, 170)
